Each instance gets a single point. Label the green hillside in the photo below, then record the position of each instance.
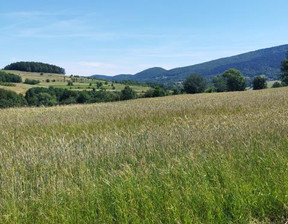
(61, 81)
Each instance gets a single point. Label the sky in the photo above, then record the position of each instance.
(111, 37)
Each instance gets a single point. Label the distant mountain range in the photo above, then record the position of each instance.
(261, 62)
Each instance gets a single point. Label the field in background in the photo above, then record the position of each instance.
(206, 158)
(61, 81)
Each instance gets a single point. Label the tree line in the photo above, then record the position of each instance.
(35, 67)
(40, 96)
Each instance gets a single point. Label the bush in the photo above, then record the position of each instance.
(31, 81)
(276, 85)
(259, 82)
(157, 92)
(8, 77)
(194, 84)
(11, 99)
(99, 84)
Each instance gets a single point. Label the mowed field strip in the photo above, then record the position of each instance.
(204, 158)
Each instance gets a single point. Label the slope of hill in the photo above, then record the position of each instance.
(265, 61)
(61, 81)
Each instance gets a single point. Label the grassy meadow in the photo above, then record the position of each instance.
(60, 81)
(205, 158)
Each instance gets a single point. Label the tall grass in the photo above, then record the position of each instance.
(207, 158)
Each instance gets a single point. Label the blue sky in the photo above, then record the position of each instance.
(124, 37)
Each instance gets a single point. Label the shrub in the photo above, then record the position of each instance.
(99, 84)
(31, 81)
(156, 92)
(276, 85)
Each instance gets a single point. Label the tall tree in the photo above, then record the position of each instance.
(230, 80)
(194, 84)
(284, 69)
(259, 82)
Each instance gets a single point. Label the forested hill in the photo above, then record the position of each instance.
(146, 75)
(35, 67)
(261, 62)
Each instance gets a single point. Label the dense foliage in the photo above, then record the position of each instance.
(35, 67)
(156, 92)
(230, 80)
(276, 85)
(128, 93)
(11, 99)
(8, 77)
(259, 82)
(40, 96)
(31, 81)
(194, 84)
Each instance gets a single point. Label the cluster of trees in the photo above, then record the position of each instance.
(35, 67)
(40, 96)
(8, 77)
(56, 96)
(230, 80)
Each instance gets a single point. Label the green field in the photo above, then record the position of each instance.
(205, 158)
(60, 81)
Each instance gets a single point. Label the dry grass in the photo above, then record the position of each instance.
(207, 158)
